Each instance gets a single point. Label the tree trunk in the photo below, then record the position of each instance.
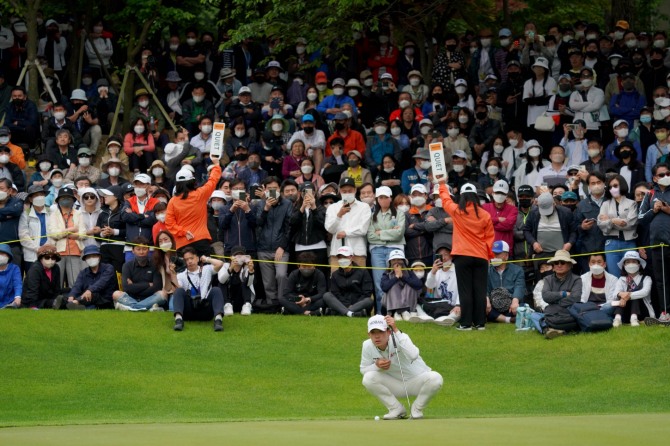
(30, 14)
(623, 10)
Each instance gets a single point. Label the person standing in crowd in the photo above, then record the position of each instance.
(33, 225)
(186, 216)
(112, 228)
(473, 239)
(67, 229)
(590, 237)
(503, 215)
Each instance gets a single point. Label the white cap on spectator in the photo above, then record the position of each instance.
(418, 188)
(618, 122)
(388, 76)
(142, 178)
(184, 175)
(218, 194)
(501, 186)
(345, 251)
(383, 191)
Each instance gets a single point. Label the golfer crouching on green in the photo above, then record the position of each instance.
(392, 368)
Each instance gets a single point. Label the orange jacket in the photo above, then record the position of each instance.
(191, 214)
(473, 236)
(16, 156)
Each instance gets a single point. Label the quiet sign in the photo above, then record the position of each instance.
(217, 139)
(437, 160)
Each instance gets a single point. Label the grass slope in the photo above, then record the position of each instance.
(111, 367)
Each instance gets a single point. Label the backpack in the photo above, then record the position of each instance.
(589, 317)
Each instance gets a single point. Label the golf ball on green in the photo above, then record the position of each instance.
(377, 418)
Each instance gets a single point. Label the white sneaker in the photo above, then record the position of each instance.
(156, 308)
(405, 315)
(418, 318)
(617, 322)
(121, 307)
(228, 310)
(397, 316)
(447, 321)
(246, 309)
(633, 321)
(416, 413)
(396, 414)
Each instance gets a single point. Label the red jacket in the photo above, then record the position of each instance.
(504, 221)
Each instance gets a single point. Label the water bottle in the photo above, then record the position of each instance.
(520, 317)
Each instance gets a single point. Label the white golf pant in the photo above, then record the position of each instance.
(388, 389)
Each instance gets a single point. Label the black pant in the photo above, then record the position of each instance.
(113, 254)
(141, 163)
(472, 277)
(236, 294)
(206, 309)
(293, 308)
(202, 247)
(658, 259)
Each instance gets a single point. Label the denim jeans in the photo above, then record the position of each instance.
(378, 258)
(143, 304)
(612, 258)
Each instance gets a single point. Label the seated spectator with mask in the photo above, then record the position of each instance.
(506, 285)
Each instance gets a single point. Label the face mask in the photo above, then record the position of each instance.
(4, 159)
(338, 91)
(564, 88)
(593, 153)
(493, 170)
(160, 218)
(481, 115)
(618, 35)
(174, 47)
(87, 81)
(496, 262)
(558, 158)
(39, 201)
(614, 191)
(403, 208)
(660, 43)
(157, 171)
(348, 198)
(253, 165)
(93, 261)
(312, 96)
(453, 132)
(632, 268)
(57, 182)
(567, 38)
(84, 162)
(665, 181)
(307, 272)
(425, 165)
(486, 42)
(321, 87)
(140, 192)
(44, 167)
(498, 149)
(579, 34)
(525, 203)
(389, 169)
(368, 200)
(353, 92)
(139, 129)
(597, 270)
(534, 152)
(3, 260)
(217, 205)
(306, 169)
(504, 42)
(403, 104)
(368, 82)
(198, 99)
(206, 129)
(143, 104)
(415, 81)
(499, 198)
(461, 90)
(578, 134)
(409, 51)
(344, 263)
(661, 136)
(614, 62)
(597, 189)
(395, 131)
(191, 41)
(417, 201)
(631, 43)
(383, 39)
(458, 168)
(621, 133)
(380, 129)
(354, 162)
(48, 264)
(66, 202)
(645, 119)
(425, 130)
(59, 116)
(463, 119)
(114, 171)
(587, 83)
(277, 127)
(513, 142)
(300, 49)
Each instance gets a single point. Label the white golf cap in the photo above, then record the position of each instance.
(345, 251)
(218, 194)
(426, 121)
(460, 82)
(244, 90)
(142, 178)
(618, 122)
(184, 175)
(418, 188)
(545, 203)
(377, 322)
(541, 62)
(468, 187)
(383, 191)
(501, 186)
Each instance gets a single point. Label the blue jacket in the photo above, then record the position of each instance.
(659, 224)
(626, 105)
(512, 279)
(102, 283)
(333, 101)
(609, 151)
(26, 117)
(9, 220)
(411, 177)
(378, 147)
(238, 228)
(11, 285)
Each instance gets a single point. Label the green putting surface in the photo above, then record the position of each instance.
(633, 429)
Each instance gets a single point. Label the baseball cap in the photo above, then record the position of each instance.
(383, 191)
(388, 76)
(347, 181)
(308, 118)
(422, 153)
(142, 178)
(345, 251)
(569, 195)
(468, 188)
(418, 188)
(377, 322)
(545, 203)
(460, 82)
(339, 81)
(244, 90)
(500, 246)
(184, 175)
(459, 154)
(525, 190)
(501, 186)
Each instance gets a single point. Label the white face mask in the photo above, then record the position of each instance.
(157, 171)
(160, 218)
(461, 90)
(615, 192)
(4, 159)
(312, 96)
(383, 39)
(206, 129)
(59, 116)
(415, 81)
(306, 169)
(463, 119)
(321, 87)
(499, 198)
(417, 201)
(504, 42)
(631, 43)
(44, 167)
(380, 129)
(593, 153)
(395, 131)
(277, 127)
(453, 132)
(403, 208)
(139, 129)
(144, 103)
(198, 99)
(191, 41)
(493, 170)
(48, 264)
(438, 203)
(338, 91)
(425, 165)
(419, 274)
(368, 82)
(217, 205)
(389, 169)
(485, 42)
(534, 152)
(665, 181)
(498, 149)
(84, 162)
(166, 246)
(621, 133)
(632, 268)
(458, 168)
(352, 92)
(114, 171)
(597, 189)
(425, 130)
(513, 142)
(93, 261)
(140, 192)
(344, 263)
(557, 158)
(587, 83)
(239, 133)
(39, 201)
(348, 198)
(597, 270)
(174, 47)
(57, 182)
(3, 260)
(4, 140)
(404, 103)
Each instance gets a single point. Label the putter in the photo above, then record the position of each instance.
(409, 405)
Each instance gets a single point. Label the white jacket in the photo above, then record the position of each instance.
(56, 228)
(355, 225)
(104, 47)
(627, 211)
(443, 282)
(593, 110)
(30, 226)
(407, 354)
(644, 293)
(610, 282)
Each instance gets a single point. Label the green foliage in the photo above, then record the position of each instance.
(113, 367)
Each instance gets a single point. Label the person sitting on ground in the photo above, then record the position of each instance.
(401, 288)
(506, 285)
(387, 370)
(632, 291)
(561, 289)
(196, 299)
(237, 282)
(441, 305)
(168, 263)
(305, 288)
(11, 286)
(41, 287)
(141, 280)
(597, 284)
(95, 284)
(350, 288)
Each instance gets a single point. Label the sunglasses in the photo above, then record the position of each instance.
(662, 174)
(89, 197)
(50, 257)
(561, 262)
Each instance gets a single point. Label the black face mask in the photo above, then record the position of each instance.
(259, 79)
(451, 48)
(18, 102)
(625, 154)
(592, 54)
(637, 61)
(339, 126)
(525, 202)
(307, 272)
(570, 206)
(241, 157)
(308, 130)
(438, 97)
(656, 62)
(481, 115)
